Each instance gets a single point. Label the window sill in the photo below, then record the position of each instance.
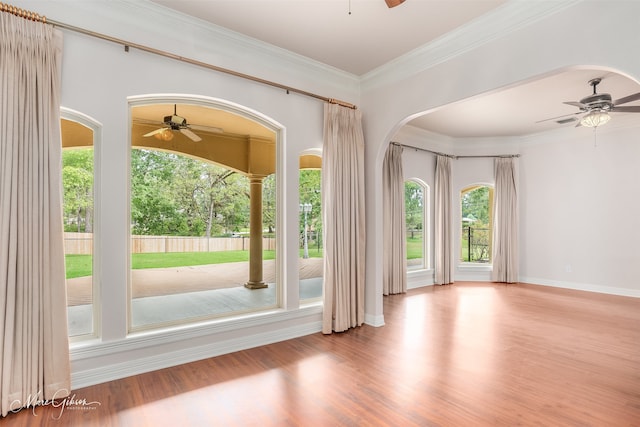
(472, 266)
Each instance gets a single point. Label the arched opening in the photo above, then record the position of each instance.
(311, 245)
(80, 137)
(203, 211)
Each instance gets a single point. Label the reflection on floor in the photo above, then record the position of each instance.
(193, 305)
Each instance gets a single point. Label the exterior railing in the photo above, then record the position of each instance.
(476, 244)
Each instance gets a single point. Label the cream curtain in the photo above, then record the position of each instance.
(394, 268)
(443, 233)
(34, 348)
(505, 223)
(343, 219)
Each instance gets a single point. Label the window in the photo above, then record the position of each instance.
(311, 250)
(415, 196)
(476, 202)
(78, 171)
(203, 216)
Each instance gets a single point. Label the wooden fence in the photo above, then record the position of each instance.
(82, 244)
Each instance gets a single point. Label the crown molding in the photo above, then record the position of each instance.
(221, 42)
(510, 17)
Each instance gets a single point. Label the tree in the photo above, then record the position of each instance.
(154, 210)
(309, 188)
(413, 205)
(475, 205)
(173, 194)
(77, 179)
(269, 203)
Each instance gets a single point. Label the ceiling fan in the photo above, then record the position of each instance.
(597, 106)
(177, 123)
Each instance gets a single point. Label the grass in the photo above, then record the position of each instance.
(80, 265)
(414, 248)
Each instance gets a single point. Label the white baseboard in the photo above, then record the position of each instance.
(626, 292)
(376, 321)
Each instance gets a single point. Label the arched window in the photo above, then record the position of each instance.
(311, 248)
(476, 202)
(416, 199)
(80, 137)
(203, 212)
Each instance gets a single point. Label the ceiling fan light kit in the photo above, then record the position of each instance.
(595, 118)
(164, 135)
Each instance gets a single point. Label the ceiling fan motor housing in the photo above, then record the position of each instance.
(600, 101)
(176, 121)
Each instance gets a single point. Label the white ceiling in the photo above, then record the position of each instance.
(323, 30)
(373, 35)
(527, 107)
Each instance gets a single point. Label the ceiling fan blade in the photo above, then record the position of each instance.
(630, 109)
(189, 134)
(153, 132)
(575, 104)
(559, 117)
(205, 128)
(393, 3)
(626, 99)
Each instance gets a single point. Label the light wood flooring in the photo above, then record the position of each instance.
(468, 354)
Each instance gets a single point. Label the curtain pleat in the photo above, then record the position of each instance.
(394, 268)
(505, 223)
(443, 227)
(343, 219)
(34, 347)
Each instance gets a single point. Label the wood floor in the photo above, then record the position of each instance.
(469, 354)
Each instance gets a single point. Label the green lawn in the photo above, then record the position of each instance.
(414, 248)
(80, 265)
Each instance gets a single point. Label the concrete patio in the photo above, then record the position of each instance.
(197, 292)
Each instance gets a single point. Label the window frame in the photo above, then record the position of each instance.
(426, 224)
(96, 128)
(310, 156)
(281, 235)
(474, 265)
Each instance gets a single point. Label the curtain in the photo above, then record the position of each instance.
(505, 223)
(343, 219)
(34, 347)
(394, 268)
(443, 233)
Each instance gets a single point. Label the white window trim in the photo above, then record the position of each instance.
(96, 128)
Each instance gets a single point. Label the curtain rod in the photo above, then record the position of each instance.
(40, 18)
(501, 156)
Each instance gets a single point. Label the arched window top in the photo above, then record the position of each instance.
(78, 129)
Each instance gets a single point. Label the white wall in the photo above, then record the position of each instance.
(579, 210)
(542, 43)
